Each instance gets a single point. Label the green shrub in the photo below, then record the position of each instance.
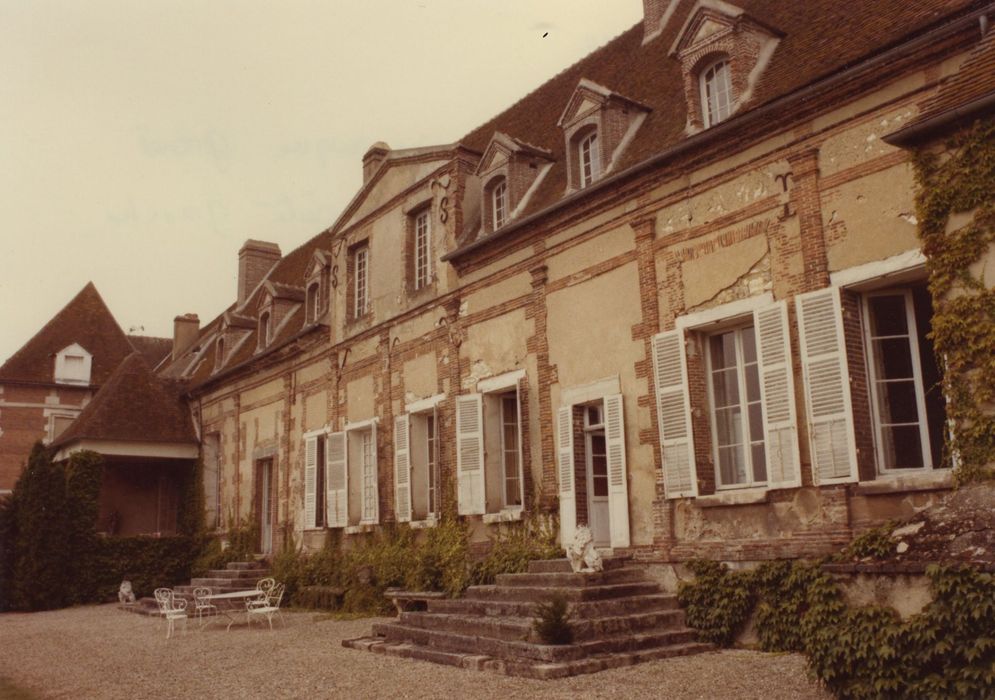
(552, 622)
(718, 602)
(515, 545)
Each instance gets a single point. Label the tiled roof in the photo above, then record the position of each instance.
(154, 350)
(820, 37)
(85, 320)
(134, 405)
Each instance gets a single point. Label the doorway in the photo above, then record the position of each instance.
(265, 510)
(596, 464)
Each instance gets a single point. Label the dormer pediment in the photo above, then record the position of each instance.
(588, 98)
(319, 262)
(710, 21)
(277, 291)
(503, 148)
(233, 321)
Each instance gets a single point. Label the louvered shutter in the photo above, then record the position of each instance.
(827, 386)
(673, 407)
(618, 488)
(777, 390)
(565, 471)
(402, 469)
(470, 454)
(310, 480)
(337, 479)
(373, 516)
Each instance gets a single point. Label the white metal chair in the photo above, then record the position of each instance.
(171, 609)
(270, 607)
(201, 606)
(264, 586)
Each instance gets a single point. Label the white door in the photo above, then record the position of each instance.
(266, 506)
(599, 519)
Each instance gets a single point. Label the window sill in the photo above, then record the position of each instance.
(935, 480)
(507, 515)
(742, 497)
(359, 529)
(423, 524)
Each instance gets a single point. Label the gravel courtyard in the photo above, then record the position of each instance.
(101, 652)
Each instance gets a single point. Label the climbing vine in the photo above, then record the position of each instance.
(956, 211)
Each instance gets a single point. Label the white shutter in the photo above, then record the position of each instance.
(374, 516)
(673, 408)
(337, 480)
(310, 480)
(618, 489)
(565, 470)
(777, 390)
(402, 469)
(470, 454)
(827, 386)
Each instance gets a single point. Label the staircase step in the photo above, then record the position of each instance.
(562, 566)
(244, 565)
(538, 594)
(629, 574)
(581, 609)
(238, 574)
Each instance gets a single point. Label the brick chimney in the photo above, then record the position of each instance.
(255, 259)
(375, 156)
(185, 330)
(655, 15)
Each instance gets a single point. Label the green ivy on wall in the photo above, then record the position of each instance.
(960, 181)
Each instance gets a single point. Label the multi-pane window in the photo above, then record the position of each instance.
(716, 93)
(361, 281)
(590, 163)
(313, 301)
(510, 454)
(432, 461)
(499, 203)
(597, 450)
(319, 487)
(423, 250)
(900, 365)
(368, 468)
(736, 411)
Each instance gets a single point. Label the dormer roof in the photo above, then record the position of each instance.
(502, 147)
(588, 97)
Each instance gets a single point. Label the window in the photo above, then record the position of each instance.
(716, 93)
(422, 250)
(416, 465)
(489, 452)
(907, 405)
(72, 365)
(368, 471)
(219, 353)
(360, 281)
(589, 159)
(313, 301)
(735, 411)
(265, 329)
(499, 203)
(58, 424)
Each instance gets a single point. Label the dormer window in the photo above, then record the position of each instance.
(265, 329)
(72, 365)
(315, 296)
(589, 158)
(499, 203)
(716, 93)
(219, 353)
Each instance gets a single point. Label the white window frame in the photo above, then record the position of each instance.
(265, 328)
(80, 374)
(422, 249)
(872, 381)
(516, 450)
(50, 428)
(313, 307)
(708, 79)
(499, 203)
(744, 403)
(588, 159)
(361, 280)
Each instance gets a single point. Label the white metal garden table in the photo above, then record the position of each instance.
(231, 611)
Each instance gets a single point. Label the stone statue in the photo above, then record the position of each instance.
(125, 595)
(584, 558)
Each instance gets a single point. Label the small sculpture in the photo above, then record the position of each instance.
(584, 558)
(125, 595)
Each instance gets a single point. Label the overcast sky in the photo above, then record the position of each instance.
(141, 143)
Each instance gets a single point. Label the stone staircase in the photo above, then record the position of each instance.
(619, 618)
(237, 576)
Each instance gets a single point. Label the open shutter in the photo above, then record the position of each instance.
(673, 408)
(827, 386)
(470, 454)
(618, 488)
(373, 517)
(565, 470)
(402, 469)
(336, 477)
(777, 390)
(310, 480)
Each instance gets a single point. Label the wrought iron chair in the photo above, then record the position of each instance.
(201, 606)
(171, 609)
(264, 586)
(271, 607)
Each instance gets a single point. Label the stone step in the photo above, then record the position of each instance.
(562, 566)
(253, 574)
(581, 609)
(393, 632)
(544, 593)
(243, 565)
(629, 574)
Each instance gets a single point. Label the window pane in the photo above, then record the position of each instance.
(729, 426)
(892, 359)
(725, 388)
(887, 315)
(600, 486)
(723, 348)
(901, 447)
(513, 493)
(599, 460)
(759, 456)
(897, 402)
(749, 345)
(732, 465)
(752, 383)
(756, 422)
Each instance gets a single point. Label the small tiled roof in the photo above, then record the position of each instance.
(819, 38)
(134, 405)
(974, 81)
(154, 350)
(85, 320)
